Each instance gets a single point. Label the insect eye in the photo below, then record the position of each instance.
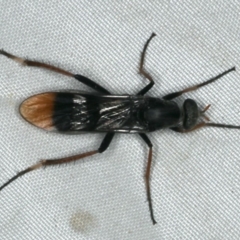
(191, 114)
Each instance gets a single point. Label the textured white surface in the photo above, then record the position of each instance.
(195, 177)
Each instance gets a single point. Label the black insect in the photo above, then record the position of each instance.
(103, 112)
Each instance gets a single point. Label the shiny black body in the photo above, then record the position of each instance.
(102, 112)
(110, 113)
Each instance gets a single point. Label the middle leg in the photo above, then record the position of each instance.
(147, 174)
(143, 71)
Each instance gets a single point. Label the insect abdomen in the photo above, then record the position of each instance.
(60, 111)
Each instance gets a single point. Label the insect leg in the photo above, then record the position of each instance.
(181, 130)
(143, 71)
(193, 88)
(91, 84)
(29, 63)
(43, 163)
(80, 78)
(147, 174)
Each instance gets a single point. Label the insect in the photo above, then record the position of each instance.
(102, 112)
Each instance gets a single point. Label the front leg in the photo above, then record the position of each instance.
(182, 130)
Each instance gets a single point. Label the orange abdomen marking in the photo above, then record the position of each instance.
(38, 110)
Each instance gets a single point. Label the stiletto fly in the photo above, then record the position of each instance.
(103, 112)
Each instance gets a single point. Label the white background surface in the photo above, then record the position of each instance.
(195, 177)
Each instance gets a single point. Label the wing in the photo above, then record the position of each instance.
(81, 112)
